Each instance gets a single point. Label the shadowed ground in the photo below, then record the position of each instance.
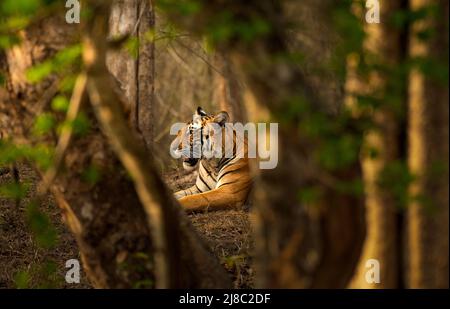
(227, 232)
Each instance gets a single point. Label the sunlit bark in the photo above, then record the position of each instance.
(427, 245)
(383, 44)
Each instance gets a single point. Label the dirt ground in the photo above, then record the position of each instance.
(24, 264)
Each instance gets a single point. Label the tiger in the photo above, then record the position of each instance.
(223, 180)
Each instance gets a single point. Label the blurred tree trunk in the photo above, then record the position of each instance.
(295, 241)
(228, 91)
(427, 246)
(135, 69)
(384, 43)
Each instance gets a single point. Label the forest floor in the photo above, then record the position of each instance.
(24, 264)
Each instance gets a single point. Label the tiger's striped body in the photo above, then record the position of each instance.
(223, 182)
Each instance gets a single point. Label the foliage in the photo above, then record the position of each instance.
(60, 103)
(91, 175)
(41, 226)
(64, 59)
(40, 154)
(14, 190)
(42, 275)
(43, 124)
(20, 7)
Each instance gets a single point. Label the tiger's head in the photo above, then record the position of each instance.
(200, 138)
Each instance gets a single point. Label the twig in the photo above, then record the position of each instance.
(200, 57)
(66, 134)
(47, 96)
(170, 36)
(141, 13)
(179, 59)
(16, 177)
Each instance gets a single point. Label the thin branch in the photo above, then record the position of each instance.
(141, 13)
(66, 134)
(199, 56)
(177, 57)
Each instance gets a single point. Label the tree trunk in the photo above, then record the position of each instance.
(427, 245)
(146, 72)
(122, 63)
(228, 92)
(135, 69)
(383, 42)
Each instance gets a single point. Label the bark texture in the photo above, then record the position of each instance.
(134, 68)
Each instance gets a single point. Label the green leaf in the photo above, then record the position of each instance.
(14, 190)
(67, 56)
(9, 153)
(41, 154)
(68, 83)
(39, 72)
(43, 124)
(20, 7)
(48, 272)
(22, 279)
(41, 226)
(60, 103)
(91, 175)
(132, 46)
(81, 124)
(61, 61)
(7, 41)
(14, 23)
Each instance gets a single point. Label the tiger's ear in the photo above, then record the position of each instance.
(221, 118)
(201, 112)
